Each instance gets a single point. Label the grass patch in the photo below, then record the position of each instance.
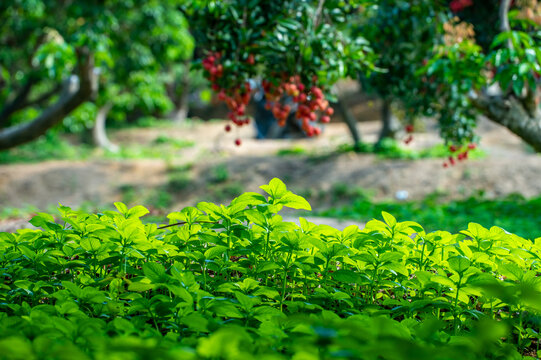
(54, 146)
(17, 213)
(219, 174)
(226, 191)
(295, 150)
(51, 146)
(174, 142)
(513, 213)
(393, 149)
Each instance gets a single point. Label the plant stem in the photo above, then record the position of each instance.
(284, 282)
(456, 302)
(422, 254)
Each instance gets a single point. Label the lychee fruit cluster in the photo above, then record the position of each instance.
(409, 130)
(236, 98)
(311, 102)
(460, 153)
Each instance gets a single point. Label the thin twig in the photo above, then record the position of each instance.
(317, 15)
(185, 222)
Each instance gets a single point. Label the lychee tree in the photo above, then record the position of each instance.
(478, 58)
(297, 48)
(446, 59)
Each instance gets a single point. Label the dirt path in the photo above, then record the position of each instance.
(216, 170)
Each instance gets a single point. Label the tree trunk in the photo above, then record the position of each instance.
(77, 90)
(390, 125)
(180, 113)
(351, 122)
(99, 133)
(508, 111)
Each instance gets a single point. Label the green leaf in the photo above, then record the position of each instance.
(295, 202)
(276, 188)
(390, 256)
(445, 281)
(154, 272)
(72, 288)
(267, 291)
(137, 212)
(42, 220)
(256, 217)
(215, 251)
(195, 322)
(227, 310)
(345, 276)
(389, 219)
(90, 244)
(249, 199)
(246, 301)
(459, 263)
(121, 207)
(181, 293)
(518, 86)
(140, 286)
(511, 271)
(267, 266)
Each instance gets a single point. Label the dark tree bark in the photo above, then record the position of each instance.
(514, 115)
(43, 98)
(99, 132)
(390, 125)
(76, 91)
(351, 123)
(17, 103)
(181, 101)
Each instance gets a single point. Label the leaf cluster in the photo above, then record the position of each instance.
(236, 281)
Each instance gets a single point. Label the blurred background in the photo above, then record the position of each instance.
(137, 123)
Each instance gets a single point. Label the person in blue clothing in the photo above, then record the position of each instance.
(265, 122)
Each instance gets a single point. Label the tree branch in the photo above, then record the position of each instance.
(504, 19)
(99, 131)
(40, 100)
(504, 15)
(17, 103)
(511, 113)
(317, 16)
(77, 90)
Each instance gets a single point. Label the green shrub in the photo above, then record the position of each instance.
(393, 149)
(237, 282)
(513, 213)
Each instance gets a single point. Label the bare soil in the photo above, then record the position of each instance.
(216, 170)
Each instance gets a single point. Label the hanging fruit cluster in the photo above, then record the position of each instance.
(237, 97)
(310, 102)
(409, 130)
(459, 153)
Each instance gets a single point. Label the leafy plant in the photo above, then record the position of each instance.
(513, 213)
(236, 281)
